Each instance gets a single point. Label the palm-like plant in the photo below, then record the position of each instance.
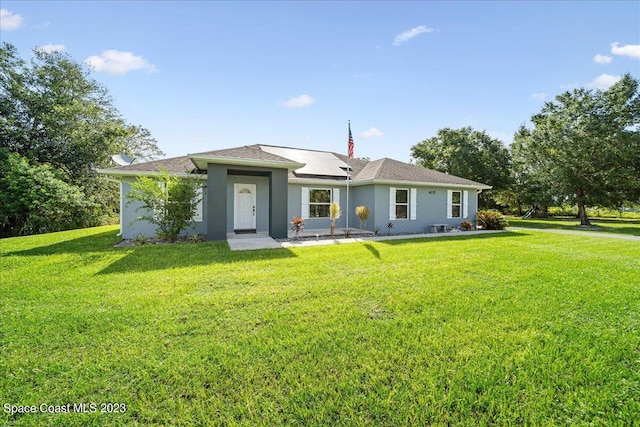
(334, 214)
(363, 212)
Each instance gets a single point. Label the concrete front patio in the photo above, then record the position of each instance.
(242, 242)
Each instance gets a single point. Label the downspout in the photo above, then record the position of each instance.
(121, 209)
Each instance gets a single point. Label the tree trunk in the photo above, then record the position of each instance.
(582, 213)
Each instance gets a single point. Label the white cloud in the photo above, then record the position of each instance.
(603, 82)
(407, 35)
(115, 62)
(540, 96)
(298, 101)
(49, 48)
(371, 133)
(9, 20)
(630, 50)
(602, 59)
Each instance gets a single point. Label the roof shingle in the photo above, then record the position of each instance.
(361, 170)
(394, 170)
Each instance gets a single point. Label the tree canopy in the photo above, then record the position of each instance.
(52, 113)
(584, 148)
(469, 154)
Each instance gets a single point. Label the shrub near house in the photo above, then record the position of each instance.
(259, 188)
(168, 202)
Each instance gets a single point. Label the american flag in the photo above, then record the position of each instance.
(350, 143)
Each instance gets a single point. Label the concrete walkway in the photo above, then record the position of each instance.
(245, 242)
(579, 233)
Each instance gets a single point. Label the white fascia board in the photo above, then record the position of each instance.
(317, 181)
(417, 184)
(133, 174)
(201, 162)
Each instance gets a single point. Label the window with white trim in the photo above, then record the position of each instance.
(457, 204)
(319, 202)
(197, 211)
(403, 203)
(316, 201)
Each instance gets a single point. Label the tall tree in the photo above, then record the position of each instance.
(586, 145)
(53, 113)
(469, 154)
(531, 185)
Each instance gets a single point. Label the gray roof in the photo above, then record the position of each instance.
(387, 170)
(394, 170)
(248, 152)
(182, 164)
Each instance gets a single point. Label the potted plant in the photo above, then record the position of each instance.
(297, 225)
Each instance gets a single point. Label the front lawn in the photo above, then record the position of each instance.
(617, 226)
(521, 328)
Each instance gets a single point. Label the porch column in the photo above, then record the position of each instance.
(278, 203)
(216, 202)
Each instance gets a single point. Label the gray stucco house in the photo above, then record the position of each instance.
(260, 188)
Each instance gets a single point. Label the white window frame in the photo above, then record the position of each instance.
(412, 202)
(464, 204)
(198, 211)
(395, 201)
(305, 208)
(163, 187)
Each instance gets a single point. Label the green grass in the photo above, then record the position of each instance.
(522, 328)
(617, 226)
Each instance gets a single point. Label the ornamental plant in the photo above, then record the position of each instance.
(334, 214)
(363, 212)
(466, 225)
(167, 201)
(492, 220)
(297, 225)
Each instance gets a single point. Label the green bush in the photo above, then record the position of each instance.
(491, 220)
(168, 202)
(34, 199)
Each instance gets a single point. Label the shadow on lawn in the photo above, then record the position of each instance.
(372, 249)
(79, 245)
(453, 236)
(99, 246)
(180, 255)
(598, 225)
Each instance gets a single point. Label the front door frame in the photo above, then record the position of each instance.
(240, 218)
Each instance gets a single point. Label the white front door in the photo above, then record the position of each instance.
(244, 206)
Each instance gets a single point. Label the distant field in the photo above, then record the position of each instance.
(619, 226)
(517, 328)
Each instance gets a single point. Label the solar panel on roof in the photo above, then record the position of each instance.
(316, 162)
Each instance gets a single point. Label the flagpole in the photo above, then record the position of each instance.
(348, 174)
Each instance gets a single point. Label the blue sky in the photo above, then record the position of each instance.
(209, 75)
